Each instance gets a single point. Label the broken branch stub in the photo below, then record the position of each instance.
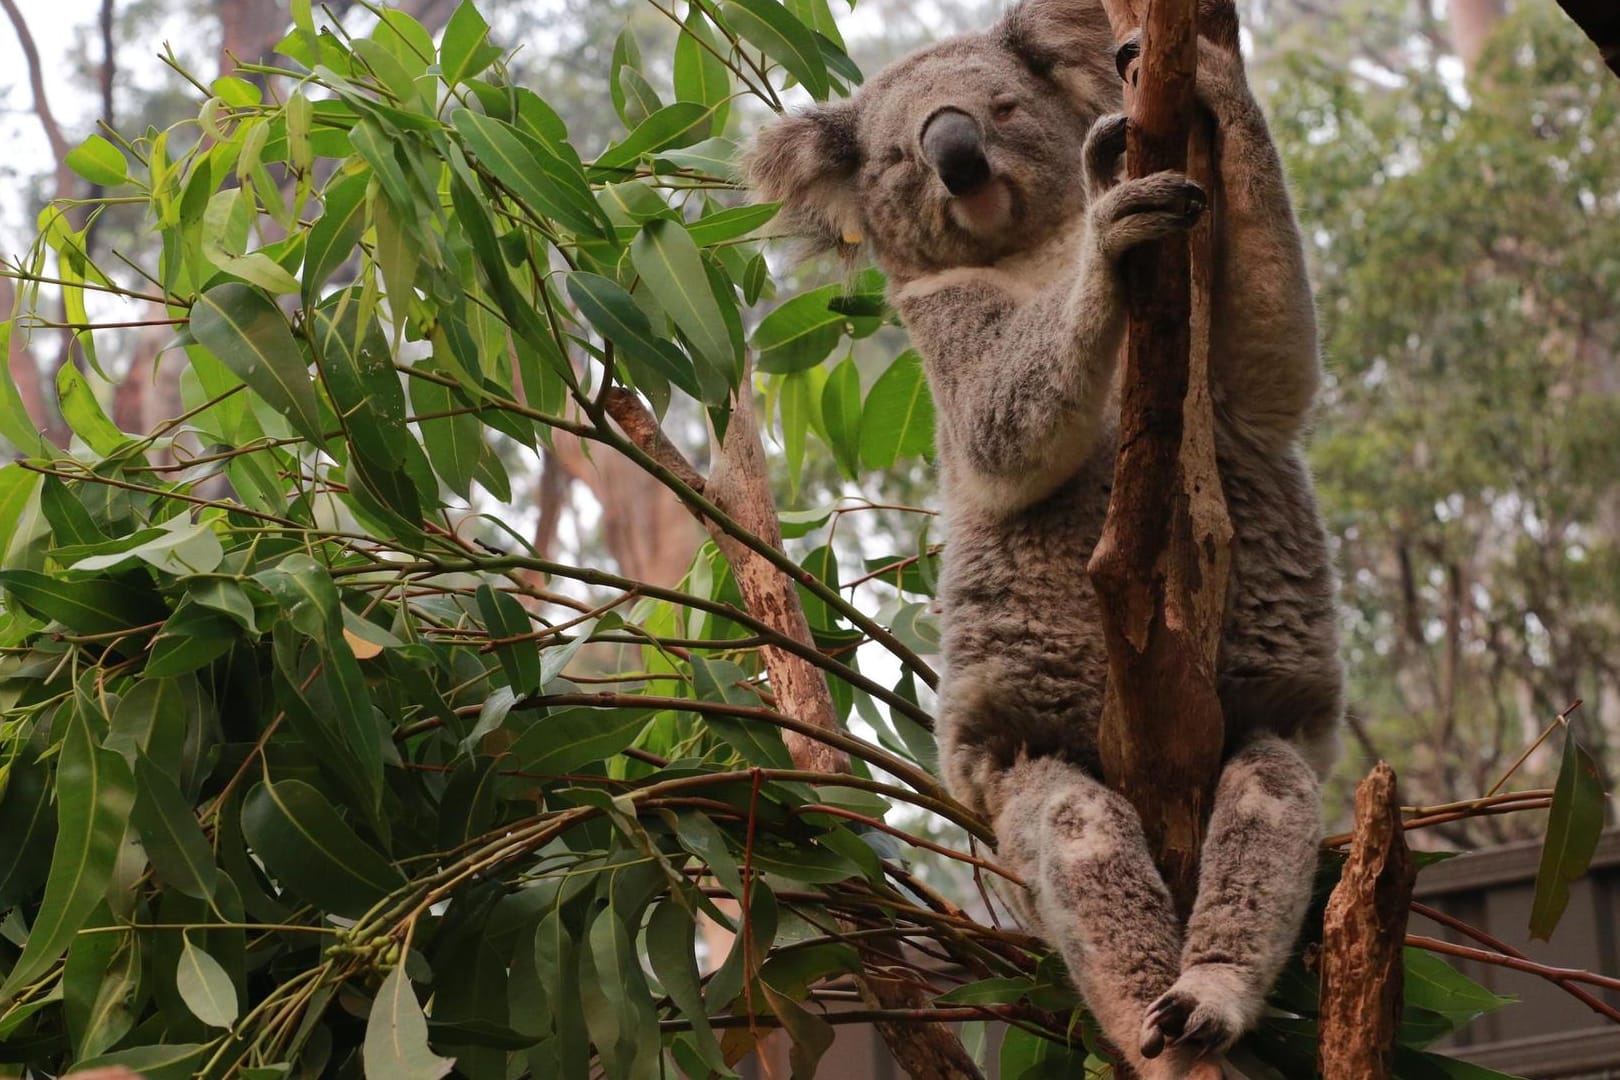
(1363, 933)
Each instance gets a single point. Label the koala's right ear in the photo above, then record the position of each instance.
(808, 161)
(1069, 42)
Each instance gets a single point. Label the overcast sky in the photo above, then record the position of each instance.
(53, 23)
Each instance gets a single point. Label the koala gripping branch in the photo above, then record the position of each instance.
(1161, 564)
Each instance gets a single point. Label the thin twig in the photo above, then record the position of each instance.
(1584, 997)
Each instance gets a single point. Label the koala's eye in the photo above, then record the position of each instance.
(1004, 109)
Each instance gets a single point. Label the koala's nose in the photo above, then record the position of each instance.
(954, 148)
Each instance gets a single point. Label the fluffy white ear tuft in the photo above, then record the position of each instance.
(808, 161)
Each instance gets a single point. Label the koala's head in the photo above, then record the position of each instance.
(957, 155)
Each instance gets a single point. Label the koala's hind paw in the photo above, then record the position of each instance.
(1201, 1014)
(1144, 209)
(1105, 145)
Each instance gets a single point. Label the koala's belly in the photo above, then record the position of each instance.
(1025, 663)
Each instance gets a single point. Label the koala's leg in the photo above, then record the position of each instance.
(1254, 885)
(1093, 893)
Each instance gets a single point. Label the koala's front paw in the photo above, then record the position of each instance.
(1104, 147)
(1202, 1014)
(1146, 209)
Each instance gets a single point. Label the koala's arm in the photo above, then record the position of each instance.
(1264, 353)
(1019, 380)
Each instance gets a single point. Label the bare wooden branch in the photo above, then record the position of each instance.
(1363, 933)
(740, 486)
(1161, 564)
(641, 427)
(1601, 21)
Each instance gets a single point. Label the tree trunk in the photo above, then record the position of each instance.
(1471, 24)
(1161, 563)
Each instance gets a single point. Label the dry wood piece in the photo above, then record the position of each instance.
(1161, 564)
(1362, 936)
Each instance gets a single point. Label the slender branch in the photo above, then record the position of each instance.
(849, 744)
(1530, 967)
(1597, 1005)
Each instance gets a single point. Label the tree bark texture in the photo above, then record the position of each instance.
(1601, 21)
(740, 485)
(1161, 564)
(1362, 936)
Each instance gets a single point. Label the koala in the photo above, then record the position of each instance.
(982, 174)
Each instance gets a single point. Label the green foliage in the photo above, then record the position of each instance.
(279, 734)
(304, 770)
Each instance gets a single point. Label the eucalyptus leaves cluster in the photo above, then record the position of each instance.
(292, 779)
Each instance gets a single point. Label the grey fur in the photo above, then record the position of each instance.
(1013, 299)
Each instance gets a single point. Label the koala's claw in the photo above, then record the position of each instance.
(1197, 201)
(1166, 194)
(1179, 1019)
(1140, 210)
(1128, 50)
(1105, 145)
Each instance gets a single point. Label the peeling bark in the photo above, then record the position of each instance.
(1362, 936)
(1161, 564)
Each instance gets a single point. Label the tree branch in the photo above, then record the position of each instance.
(739, 486)
(1161, 563)
(42, 105)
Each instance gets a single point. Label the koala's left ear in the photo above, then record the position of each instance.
(808, 161)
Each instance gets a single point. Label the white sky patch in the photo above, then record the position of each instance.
(53, 24)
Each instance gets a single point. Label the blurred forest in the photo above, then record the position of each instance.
(1455, 163)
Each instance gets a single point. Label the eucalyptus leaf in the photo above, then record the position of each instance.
(396, 1046)
(312, 850)
(1574, 826)
(205, 986)
(248, 333)
(95, 793)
